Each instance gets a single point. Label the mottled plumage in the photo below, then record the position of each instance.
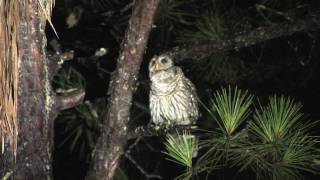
(173, 97)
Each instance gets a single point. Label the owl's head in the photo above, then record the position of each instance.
(160, 63)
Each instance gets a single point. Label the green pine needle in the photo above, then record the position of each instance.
(300, 153)
(283, 148)
(276, 145)
(232, 107)
(276, 121)
(181, 148)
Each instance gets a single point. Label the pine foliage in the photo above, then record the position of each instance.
(274, 142)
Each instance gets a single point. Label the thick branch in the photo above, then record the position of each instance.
(245, 39)
(70, 99)
(109, 148)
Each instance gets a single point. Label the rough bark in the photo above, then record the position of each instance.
(38, 105)
(110, 145)
(244, 39)
(33, 155)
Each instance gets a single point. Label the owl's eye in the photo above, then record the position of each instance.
(163, 61)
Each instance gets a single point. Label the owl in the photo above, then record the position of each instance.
(173, 97)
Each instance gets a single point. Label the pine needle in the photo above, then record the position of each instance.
(9, 29)
(232, 107)
(181, 148)
(47, 13)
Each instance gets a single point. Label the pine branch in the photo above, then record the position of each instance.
(244, 39)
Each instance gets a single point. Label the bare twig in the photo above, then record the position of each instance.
(141, 106)
(147, 175)
(130, 158)
(128, 151)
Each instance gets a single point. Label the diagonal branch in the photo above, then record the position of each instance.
(245, 39)
(109, 148)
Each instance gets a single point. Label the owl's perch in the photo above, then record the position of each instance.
(146, 131)
(244, 39)
(109, 148)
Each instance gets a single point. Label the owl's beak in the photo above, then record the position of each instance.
(157, 66)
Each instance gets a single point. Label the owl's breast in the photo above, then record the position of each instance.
(175, 105)
(165, 86)
(164, 82)
(172, 98)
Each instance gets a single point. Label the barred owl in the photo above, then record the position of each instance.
(173, 97)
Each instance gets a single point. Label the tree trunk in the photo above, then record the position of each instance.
(30, 158)
(109, 148)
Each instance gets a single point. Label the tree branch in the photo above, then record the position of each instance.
(244, 39)
(70, 99)
(110, 145)
(147, 131)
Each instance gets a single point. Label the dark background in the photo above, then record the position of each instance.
(288, 65)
